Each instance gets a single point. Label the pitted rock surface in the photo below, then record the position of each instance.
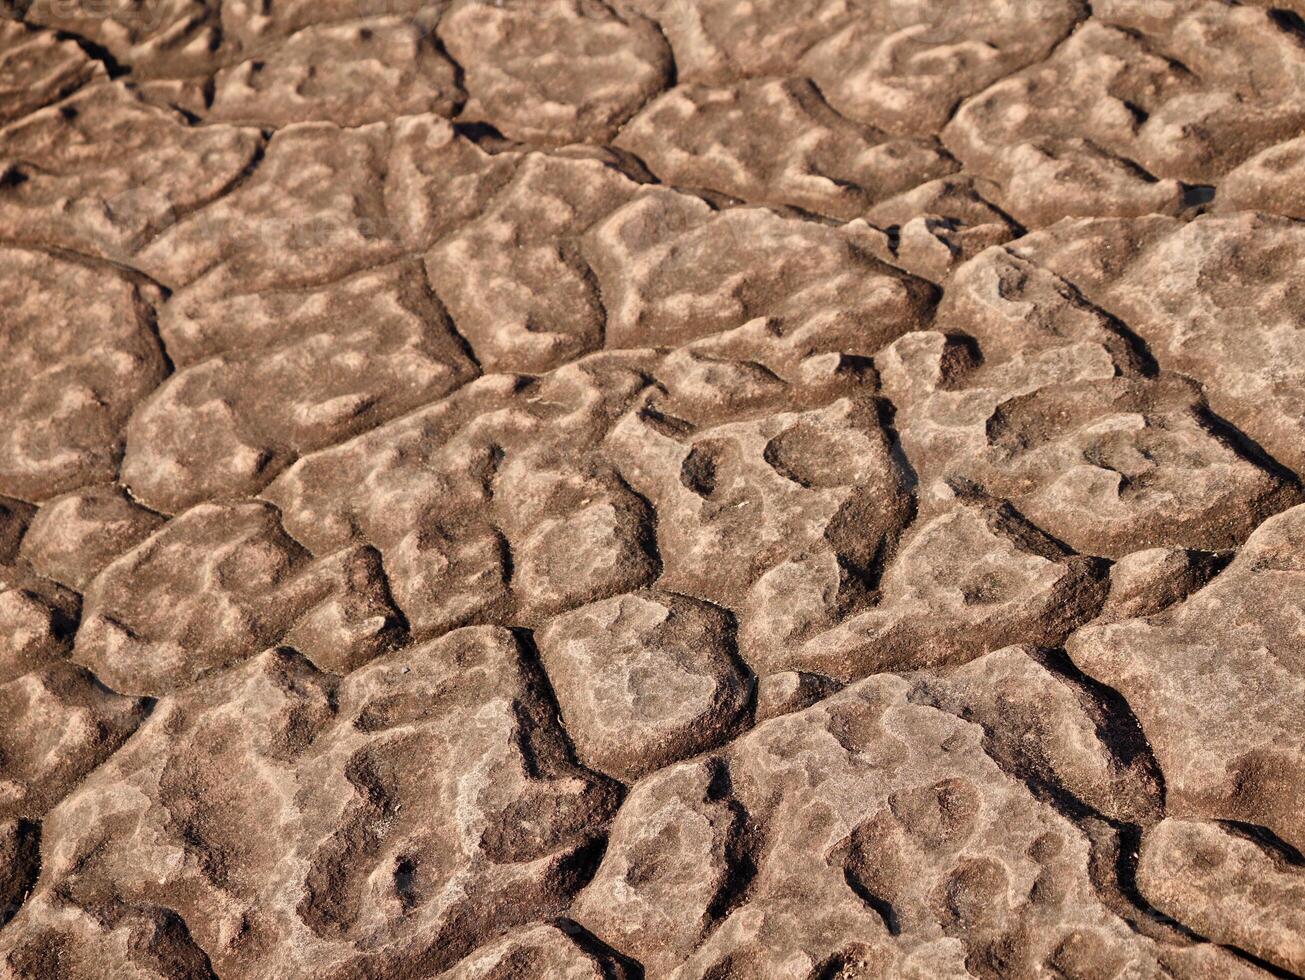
(615, 489)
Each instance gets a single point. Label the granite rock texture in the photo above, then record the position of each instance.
(615, 489)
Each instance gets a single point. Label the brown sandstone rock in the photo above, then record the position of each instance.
(555, 71)
(1212, 299)
(74, 536)
(672, 270)
(38, 67)
(539, 951)
(353, 73)
(420, 807)
(79, 354)
(864, 833)
(493, 502)
(645, 680)
(1227, 887)
(61, 724)
(104, 171)
(514, 278)
(776, 142)
(325, 202)
(1217, 684)
(153, 37)
(1269, 181)
(20, 863)
(37, 621)
(221, 582)
(974, 577)
(292, 371)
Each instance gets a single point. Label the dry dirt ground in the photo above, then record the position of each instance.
(652, 488)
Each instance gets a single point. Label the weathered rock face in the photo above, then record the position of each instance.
(217, 585)
(38, 67)
(324, 202)
(514, 278)
(269, 376)
(61, 724)
(1211, 299)
(874, 832)
(73, 537)
(79, 355)
(351, 74)
(725, 140)
(387, 860)
(644, 681)
(555, 71)
(493, 502)
(39, 618)
(689, 489)
(166, 38)
(104, 171)
(1229, 887)
(1133, 103)
(1218, 683)
(974, 578)
(672, 270)
(20, 863)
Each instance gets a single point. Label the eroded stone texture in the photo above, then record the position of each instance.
(1044, 724)
(62, 723)
(1108, 466)
(290, 372)
(555, 71)
(615, 488)
(973, 577)
(218, 584)
(254, 24)
(1131, 104)
(1227, 887)
(37, 68)
(1218, 686)
(78, 355)
(1213, 299)
(743, 498)
(1269, 181)
(906, 66)
(167, 38)
(514, 278)
(644, 680)
(354, 73)
(495, 503)
(325, 202)
(672, 850)
(776, 142)
(790, 690)
(1149, 581)
(406, 814)
(74, 536)
(1043, 399)
(940, 225)
(104, 171)
(540, 951)
(37, 621)
(15, 516)
(870, 831)
(672, 270)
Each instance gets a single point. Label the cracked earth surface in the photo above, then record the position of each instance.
(652, 488)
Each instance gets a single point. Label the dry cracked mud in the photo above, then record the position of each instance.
(693, 489)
